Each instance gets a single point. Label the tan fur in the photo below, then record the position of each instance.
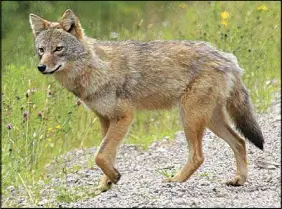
(116, 78)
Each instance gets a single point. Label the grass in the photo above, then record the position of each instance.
(41, 120)
(167, 172)
(66, 195)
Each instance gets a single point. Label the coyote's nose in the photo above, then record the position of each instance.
(41, 68)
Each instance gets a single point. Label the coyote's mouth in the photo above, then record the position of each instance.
(53, 70)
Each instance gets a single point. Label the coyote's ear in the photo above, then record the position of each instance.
(71, 24)
(37, 24)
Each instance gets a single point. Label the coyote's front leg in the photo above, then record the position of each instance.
(105, 183)
(106, 154)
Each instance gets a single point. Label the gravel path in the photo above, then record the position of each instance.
(141, 182)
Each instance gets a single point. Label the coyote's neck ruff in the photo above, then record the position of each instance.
(116, 78)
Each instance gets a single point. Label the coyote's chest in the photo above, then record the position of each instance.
(104, 105)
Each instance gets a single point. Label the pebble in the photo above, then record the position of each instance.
(179, 201)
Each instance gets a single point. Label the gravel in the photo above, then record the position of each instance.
(141, 181)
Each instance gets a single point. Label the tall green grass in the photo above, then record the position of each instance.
(41, 120)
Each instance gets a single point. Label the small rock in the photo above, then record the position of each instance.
(204, 183)
(179, 201)
(43, 202)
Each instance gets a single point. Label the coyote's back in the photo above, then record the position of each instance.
(116, 78)
(144, 72)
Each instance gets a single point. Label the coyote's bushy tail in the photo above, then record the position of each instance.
(241, 111)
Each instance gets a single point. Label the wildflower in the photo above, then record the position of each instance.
(26, 115)
(50, 129)
(40, 114)
(262, 7)
(58, 126)
(224, 15)
(224, 22)
(50, 93)
(78, 102)
(9, 126)
(27, 93)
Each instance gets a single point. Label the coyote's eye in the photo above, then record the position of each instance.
(58, 48)
(41, 50)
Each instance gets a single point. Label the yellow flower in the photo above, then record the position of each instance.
(224, 15)
(183, 6)
(224, 22)
(50, 129)
(58, 127)
(262, 7)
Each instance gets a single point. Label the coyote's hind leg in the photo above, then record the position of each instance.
(219, 124)
(195, 112)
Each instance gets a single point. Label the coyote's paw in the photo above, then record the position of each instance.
(236, 181)
(167, 180)
(115, 178)
(172, 179)
(105, 186)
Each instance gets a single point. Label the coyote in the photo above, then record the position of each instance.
(115, 78)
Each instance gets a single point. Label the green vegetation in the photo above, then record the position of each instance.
(78, 193)
(167, 172)
(41, 120)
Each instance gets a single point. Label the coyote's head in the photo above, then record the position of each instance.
(58, 44)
